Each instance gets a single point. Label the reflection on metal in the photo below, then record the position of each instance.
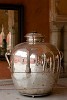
(35, 67)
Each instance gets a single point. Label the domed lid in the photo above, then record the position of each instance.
(34, 37)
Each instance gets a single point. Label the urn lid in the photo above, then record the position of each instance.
(34, 37)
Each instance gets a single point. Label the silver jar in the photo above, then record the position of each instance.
(35, 66)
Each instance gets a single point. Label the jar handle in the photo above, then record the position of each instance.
(61, 54)
(6, 56)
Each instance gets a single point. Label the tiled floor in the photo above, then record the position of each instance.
(8, 91)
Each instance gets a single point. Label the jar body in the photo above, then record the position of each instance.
(35, 84)
(35, 68)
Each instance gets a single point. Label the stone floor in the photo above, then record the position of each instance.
(8, 91)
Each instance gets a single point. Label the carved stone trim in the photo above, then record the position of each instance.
(55, 14)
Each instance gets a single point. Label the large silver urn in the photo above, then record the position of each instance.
(35, 66)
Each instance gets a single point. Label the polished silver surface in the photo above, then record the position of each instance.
(35, 66)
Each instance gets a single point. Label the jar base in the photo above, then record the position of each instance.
(36, 95)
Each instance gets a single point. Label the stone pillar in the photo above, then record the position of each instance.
(55, 35)
(58, 38)
(65, 50)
